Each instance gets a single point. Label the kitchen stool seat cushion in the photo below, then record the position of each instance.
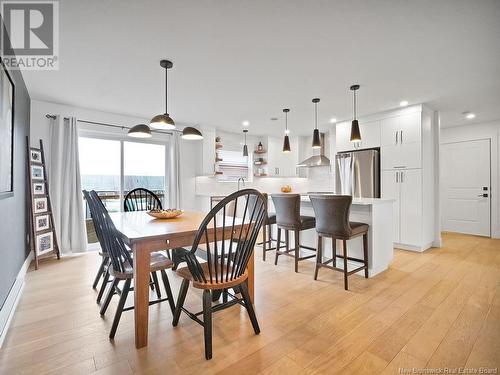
(307, 222)
(358, 228)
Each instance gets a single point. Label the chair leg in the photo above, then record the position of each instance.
(180, 301)
(278, 239)
(264, 242)
(344, 244)
(319, 256)
(156, 284)
(166, 285)
(100, 272)
(109, 295)
(297, 249)
(287, 240)
(249, 307)
(119, 308)
(365, 253)
(207, 322)
(334, 251)
(103, 286)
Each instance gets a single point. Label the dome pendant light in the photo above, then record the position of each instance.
(316, 139)
(286, 140)
(245, 147)
(164, 121)
(355, 133)
(191, 133)
(139, 131)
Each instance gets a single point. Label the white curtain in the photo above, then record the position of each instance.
(174, 172)
(345, 173)
(65, 186)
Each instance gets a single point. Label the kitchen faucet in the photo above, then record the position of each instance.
(242, 180)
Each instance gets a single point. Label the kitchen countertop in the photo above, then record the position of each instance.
(358, 201)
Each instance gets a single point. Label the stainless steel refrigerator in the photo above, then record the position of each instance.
(358, 173)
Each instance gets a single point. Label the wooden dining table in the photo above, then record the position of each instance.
(144, 235)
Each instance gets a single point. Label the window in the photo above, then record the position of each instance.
(233, 165)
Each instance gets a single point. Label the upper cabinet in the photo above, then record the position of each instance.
(281, 163)
(370, 136)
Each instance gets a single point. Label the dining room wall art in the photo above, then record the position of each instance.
(6, 133)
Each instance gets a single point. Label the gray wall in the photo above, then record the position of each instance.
(13, 210)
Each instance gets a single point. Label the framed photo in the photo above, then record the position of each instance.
(38, 188)
(6, 133)
(35, 156)
(44, 243)
(40, 205)
(42, 223)
(36, 172)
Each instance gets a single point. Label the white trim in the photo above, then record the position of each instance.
(9, 307)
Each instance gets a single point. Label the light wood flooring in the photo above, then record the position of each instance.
(440, 308)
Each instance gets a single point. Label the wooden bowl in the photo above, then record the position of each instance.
(170, 213)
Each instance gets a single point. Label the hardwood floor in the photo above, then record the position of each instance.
(440, 308)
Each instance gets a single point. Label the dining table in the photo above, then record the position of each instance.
(145, 234)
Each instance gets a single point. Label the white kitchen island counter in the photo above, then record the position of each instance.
(375, 212)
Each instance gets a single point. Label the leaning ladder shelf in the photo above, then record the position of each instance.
(43, 239)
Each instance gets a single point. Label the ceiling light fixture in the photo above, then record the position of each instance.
(139, 131)
(333, 120)
(286, 140)
(355, 133)
(246, 123)
(316, 139)
(245, 147)
(469, 115)
(403, 103)
(164, 121)
(191, 133)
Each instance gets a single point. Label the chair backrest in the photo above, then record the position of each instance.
(254, 199)
(112, 242)
(287, 207)
(332, 214)
(141, 199)
(229, 241)
(97, 227)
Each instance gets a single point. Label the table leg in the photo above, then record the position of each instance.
(251, 264)
(141, 294)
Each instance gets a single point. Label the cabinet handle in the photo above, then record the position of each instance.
(397, 177)
(402, 175)
(396, 138)
(401, 138)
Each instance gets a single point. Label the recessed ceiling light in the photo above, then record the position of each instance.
(287, 131)
(333, 120)
(246, 123)
(403, 103)
(469, 115)
(274, 119)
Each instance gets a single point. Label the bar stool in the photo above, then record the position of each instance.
(332, 221)
(288, 218)
(269, 220)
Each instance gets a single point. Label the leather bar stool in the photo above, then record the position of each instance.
(332, 221)
(288, 218)
(269, 220)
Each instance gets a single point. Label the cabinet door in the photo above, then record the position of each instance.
(370, 134)
(410, 128)
(390, 190)
(411, 207)
(273, 156)
(343, 137)
(406, 155)
(389, 128)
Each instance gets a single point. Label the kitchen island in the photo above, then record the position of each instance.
(377, 213)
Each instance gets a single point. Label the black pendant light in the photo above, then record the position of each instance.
(316, 139)
(191, 133)
(286, 140)
(245, 147)
(355, 133)
(164, 121)
(139, 131)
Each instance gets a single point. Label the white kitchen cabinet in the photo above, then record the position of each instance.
(343, 137)
(390, 190)
(370, 136)
(407, 155)
(401, 129)
(278, 162)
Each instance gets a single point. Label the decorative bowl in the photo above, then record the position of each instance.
(286, 189)
(169, 213)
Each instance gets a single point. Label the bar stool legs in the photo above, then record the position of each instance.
(344, 245)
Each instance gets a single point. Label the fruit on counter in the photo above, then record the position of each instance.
(286, 189)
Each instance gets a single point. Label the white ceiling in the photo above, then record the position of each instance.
(240, 60)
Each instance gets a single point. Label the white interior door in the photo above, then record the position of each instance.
(465, 187)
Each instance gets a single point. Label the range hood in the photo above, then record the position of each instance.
(317, 160)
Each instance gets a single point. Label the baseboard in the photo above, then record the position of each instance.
(12, 300)
(412, 247)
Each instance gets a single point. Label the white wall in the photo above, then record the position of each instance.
(191, 151)
(491, 131)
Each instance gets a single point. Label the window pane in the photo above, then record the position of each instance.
(144, 167)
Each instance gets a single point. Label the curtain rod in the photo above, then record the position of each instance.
(113, 125)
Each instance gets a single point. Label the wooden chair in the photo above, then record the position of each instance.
(227, 260)
(332, 221)
(141, 199)
(121, 264)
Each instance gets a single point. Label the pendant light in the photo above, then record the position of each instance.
(245, 147)
(355, 133)
(139, 131)
(316, 139)
(286, 140)
(191, 133)
(164, 121)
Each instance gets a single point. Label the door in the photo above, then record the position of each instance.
(465, 187)
(410, 182)
(389, 131)
(390, 190)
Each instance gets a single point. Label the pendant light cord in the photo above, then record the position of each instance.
(354, 100)
(286, 122)
(316, 115)
(166, 90)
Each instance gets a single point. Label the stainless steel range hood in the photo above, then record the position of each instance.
(317, 160)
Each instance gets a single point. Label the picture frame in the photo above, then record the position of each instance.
(37, 172)
(42, 223)
(7, 111)
(40, 205)
(35, 156)
(44, 243)
(38, 188)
